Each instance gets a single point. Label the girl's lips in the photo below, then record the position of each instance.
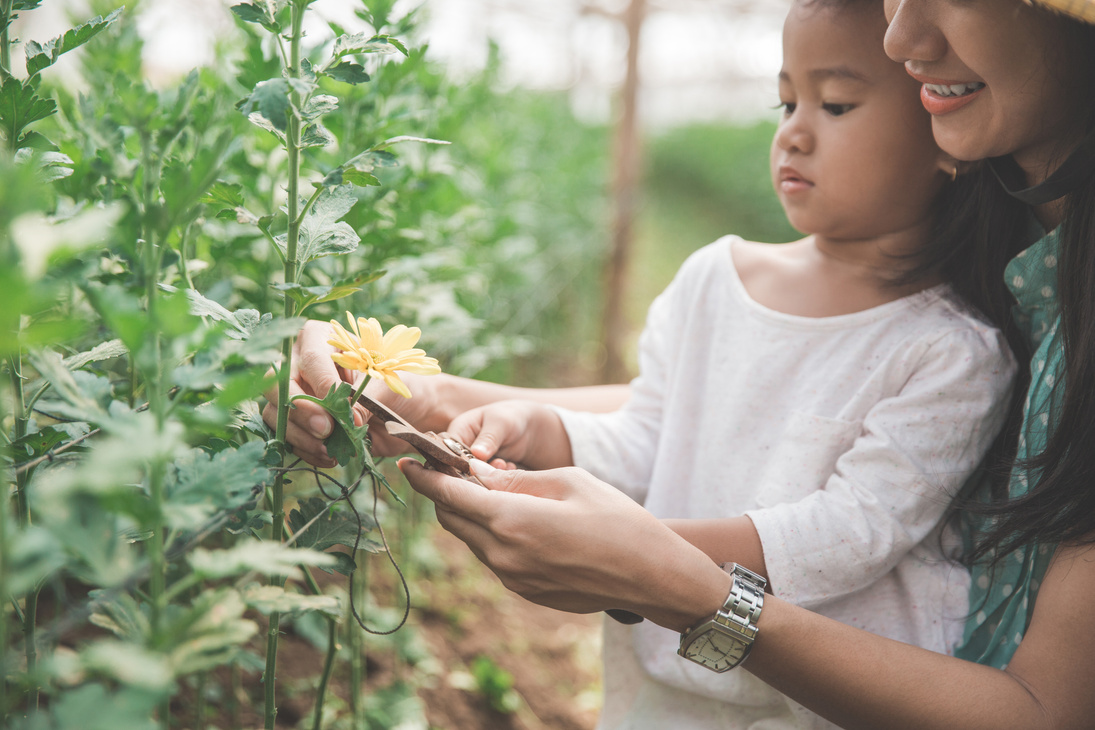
(938, 105)
(790, 181)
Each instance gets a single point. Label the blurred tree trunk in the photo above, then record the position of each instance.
(625, 192)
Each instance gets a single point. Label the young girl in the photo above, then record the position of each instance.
(808, 408)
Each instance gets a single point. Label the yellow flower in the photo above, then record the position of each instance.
(368, 349)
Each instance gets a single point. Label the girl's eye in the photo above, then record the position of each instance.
(837, 109)
(788, 108)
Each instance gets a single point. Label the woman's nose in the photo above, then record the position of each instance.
(913, 33)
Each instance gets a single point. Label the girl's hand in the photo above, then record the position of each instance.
(567, 540)
(515, 431)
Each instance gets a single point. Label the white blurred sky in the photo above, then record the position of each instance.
(700, 59)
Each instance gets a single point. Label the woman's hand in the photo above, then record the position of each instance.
(514, 431)
(562, 538)
(313, 372)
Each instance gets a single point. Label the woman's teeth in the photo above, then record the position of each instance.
(955, 89)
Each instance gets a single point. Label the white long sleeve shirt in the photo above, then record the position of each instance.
(843, 439)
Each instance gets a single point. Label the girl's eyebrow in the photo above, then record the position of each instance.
(835, 72)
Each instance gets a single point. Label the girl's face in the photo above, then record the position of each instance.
(853, 157)
(994, 77)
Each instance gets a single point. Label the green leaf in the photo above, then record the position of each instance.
(405, 138)
(91, 707)
(331, 527)
(42, 56)
(349, 73)
(270, 100)
(306, 296)
(316, 135)
(224, 195)
(270, 599)
(202, 484)
(102, 351)
(20, 106)
(34, 555)
(36, 444)
(321, 231)
(347, 439)
(364, 43)
(267, 558)
(211, 633)
(254, 14)
(317, 106)
(129, 664)
(358, 177)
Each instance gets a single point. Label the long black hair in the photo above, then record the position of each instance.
(1059, 508)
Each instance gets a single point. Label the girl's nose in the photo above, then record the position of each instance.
(793, 135)
(913, 34)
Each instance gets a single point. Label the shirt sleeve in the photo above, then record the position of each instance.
(620, 447)
(890, 489)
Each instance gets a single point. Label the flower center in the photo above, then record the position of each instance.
(375, 356)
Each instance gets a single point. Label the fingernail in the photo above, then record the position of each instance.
(480, 468)
(320, 426)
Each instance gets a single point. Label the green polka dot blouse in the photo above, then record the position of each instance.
(1001, 601)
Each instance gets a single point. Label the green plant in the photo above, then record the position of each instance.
(158, 248)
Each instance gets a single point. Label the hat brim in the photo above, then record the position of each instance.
(1080, 9)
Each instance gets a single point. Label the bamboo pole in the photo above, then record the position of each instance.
(625, 193)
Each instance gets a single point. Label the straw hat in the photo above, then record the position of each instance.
(1081, 9)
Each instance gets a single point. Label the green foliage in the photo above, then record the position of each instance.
(157, 254)
(495, 684)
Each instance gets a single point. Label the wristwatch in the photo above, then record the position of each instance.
(723, 641)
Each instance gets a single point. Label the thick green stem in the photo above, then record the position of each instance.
(30, 607)
(5, 38)
(329, 660)
(292, 148)
(5, 550)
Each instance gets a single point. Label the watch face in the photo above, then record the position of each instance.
(715, 650)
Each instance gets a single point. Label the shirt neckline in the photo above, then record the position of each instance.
(852, 319)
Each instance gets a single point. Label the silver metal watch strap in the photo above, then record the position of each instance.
(742, 608)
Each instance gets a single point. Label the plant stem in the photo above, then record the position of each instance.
(30, 609)
(5, 39)
(328, 664)
(4, 552)
(329, 660)
(292, 148)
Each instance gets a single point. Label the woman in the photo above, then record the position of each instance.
(1004, 81)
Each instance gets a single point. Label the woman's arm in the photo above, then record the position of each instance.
(563, 539)
(859, 680)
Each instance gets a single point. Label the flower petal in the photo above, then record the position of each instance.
(400, 337)
(392, 381)
(372, 335)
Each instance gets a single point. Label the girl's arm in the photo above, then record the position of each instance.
(565, 540)
(437, 399)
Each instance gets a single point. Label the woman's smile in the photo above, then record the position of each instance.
(941, 97)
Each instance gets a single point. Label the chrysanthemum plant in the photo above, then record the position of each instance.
(366, 349)
(124, 457)
(291, 106)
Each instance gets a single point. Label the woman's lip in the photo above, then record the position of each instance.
(938, 105)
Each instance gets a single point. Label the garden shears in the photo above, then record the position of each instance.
(442, 452)
(445, 454)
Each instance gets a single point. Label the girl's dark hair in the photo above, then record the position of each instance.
(1060, 505)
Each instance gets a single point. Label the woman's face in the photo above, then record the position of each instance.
(994, 75)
